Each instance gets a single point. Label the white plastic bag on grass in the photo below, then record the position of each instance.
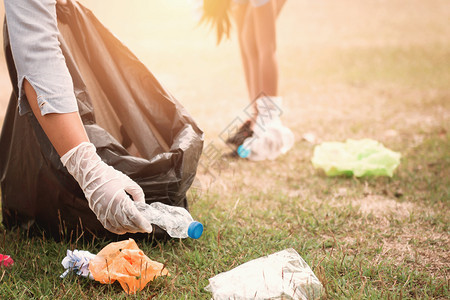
(270, 137)
(281, 275)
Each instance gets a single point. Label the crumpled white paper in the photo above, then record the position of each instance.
(282, 274)
(77, 261)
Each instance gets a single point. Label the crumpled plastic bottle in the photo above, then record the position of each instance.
(176, 221)
(282, 275)
(269, 143)
(270, 137)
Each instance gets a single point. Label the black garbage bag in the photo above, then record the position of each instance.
(136, 125)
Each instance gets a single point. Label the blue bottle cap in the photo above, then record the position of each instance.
(243, 152)
(195, 230)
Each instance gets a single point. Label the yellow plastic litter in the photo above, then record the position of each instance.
(364, 157)
(125, 262)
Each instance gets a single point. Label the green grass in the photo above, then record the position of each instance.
(367, 238)
(345, 247)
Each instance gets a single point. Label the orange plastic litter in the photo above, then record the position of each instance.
(125, 262)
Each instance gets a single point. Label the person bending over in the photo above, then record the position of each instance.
(256, 28)
(46, 88)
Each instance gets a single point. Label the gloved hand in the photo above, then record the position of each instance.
(104, 188)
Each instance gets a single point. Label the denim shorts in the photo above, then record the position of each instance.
(255, 3)
(33, 35)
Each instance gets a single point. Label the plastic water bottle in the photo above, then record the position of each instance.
(176, 221)
(270, 137)
(267, 143)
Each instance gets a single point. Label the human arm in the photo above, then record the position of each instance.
(45, 88)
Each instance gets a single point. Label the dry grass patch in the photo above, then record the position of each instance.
(382, 206)
(404, 233)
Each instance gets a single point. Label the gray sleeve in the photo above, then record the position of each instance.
(33, 35)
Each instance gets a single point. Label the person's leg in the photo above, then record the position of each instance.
(65, 131)
(249, 54)
(239, 11)
(259, 60)
(252, 53)
(246, 42)
(265, 35)
(245, 22)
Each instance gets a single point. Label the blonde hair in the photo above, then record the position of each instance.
(217, 14)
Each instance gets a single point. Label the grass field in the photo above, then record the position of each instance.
(349, 69)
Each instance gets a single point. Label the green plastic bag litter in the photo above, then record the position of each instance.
(355, 157)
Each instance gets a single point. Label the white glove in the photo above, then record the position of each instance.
(104, 188)
(269, 112)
